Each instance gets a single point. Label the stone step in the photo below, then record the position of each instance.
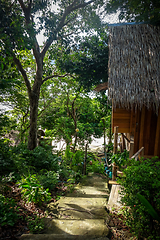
(59, 237)
(90, 192)
(94, 227)
(71, 229)
(78, 208)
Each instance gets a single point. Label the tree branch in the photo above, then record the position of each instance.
(27, 13)
(26, 10)
(62, 23)
(45, 107)
(23, 72)
(55, 75)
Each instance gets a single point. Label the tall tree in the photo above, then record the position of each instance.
(137, 10)
(22, 20)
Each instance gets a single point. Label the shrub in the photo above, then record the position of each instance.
(39, 158)
(120, 159)
(35, 224)
(8, 212)
(6, 162)
(142, 178)
(49, 179)
(32, 190)
(94, 165)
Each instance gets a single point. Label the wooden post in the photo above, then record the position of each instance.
(115, 139)
(114, 171)
(131, 151)
(114, 168)
(123, 142)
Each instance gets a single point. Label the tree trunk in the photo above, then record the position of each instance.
(85, 159)
(104, 135)
(34, 99)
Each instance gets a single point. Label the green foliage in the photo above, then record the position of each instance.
(6, 160)
(120, 159)
(20, 23)
(35, 224)
(87, 59)
(136, 10)
(149, 207)
(72, 109)
(32, 190)
(8, 211)
(49, 179)
(142, 178)
(94, 166)
(20, 160)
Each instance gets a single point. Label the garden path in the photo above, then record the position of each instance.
(80, 215)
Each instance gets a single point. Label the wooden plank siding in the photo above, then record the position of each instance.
(136, 130)
(141, 130)
(121, 118)
(144, 125)
(157, 137)
(147, 131)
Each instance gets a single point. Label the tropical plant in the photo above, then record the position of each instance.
(8, 211)
(35, 224)
(33, 191)
(149, 207)
(142, 178)
(120, 159)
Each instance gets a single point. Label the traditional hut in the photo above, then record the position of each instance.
(134, 84)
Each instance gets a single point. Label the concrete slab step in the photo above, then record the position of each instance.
(59, 237)
(87, 227)
(90, 191)
(78, 208)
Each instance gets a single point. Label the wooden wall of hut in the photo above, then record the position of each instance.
(143, 124)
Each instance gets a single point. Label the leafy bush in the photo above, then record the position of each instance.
(35, 224)
(39, 158)
(8, 212)
(6, 161)
(94, 165)
(142, 178)
(19, 159)
(120, 159)
(49, 179)
(32, 190)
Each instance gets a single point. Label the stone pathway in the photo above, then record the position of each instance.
(79, 215)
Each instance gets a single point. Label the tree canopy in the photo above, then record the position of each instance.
(20, 23)
(88, 59)
(137, 10)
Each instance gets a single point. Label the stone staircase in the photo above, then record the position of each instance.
(80, 215)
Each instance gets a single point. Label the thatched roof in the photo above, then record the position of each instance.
(134, 65)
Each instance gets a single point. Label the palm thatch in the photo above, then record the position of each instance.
(134, 66)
